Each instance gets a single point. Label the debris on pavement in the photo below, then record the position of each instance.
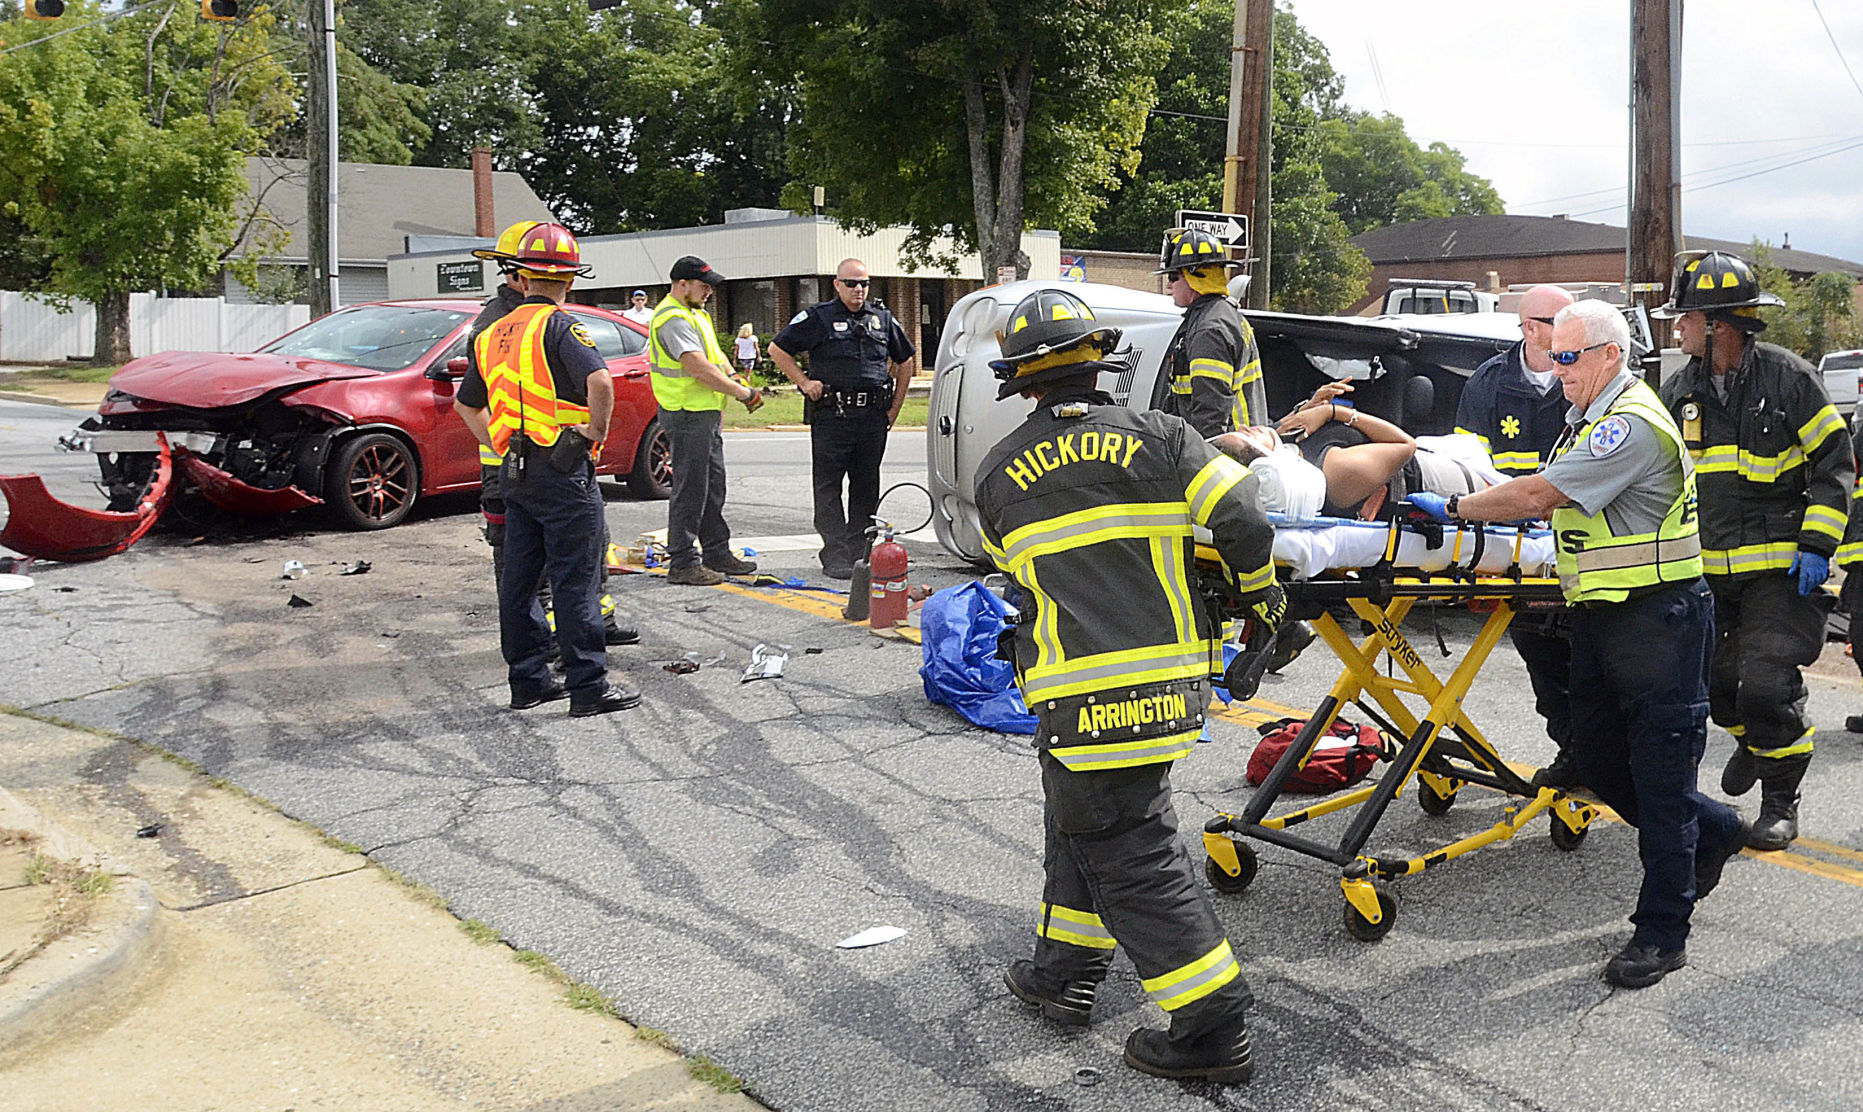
(297, 603)
(360, 567)
(765, 664)
(1086, 1075)
(684, 667)
(294, 569)
(872, 936)
(11, 582)
(149, 831)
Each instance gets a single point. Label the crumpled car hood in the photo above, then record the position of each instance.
(213, 380)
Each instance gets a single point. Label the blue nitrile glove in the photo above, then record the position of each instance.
(1812, 570)
(1434, 505)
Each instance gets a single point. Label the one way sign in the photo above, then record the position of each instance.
(1229, 227)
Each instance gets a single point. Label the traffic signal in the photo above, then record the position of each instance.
(220, 11)
(44, 9)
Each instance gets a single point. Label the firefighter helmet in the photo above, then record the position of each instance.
(1190, 249)
(1719, 284)
(1050, 333)
(549, 251)
(506, 247)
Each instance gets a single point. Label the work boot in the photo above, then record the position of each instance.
(1854, 723)
(1222, 1057)
(1710, 862)
(1073, 1005)
(1289, 640)
(609, 699)
(730, 564)
(527, 695)
(614, 633)
(1639, 965)
(1561, 774)
(1777, 824)
(698, 575)
(1741, 772)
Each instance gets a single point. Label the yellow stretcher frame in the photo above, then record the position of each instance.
(1444, 749)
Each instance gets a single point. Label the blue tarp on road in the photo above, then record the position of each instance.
(959, 627)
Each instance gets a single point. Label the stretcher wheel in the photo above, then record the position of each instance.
(1230, 885)
(1363, 929)
(1432, 803)
(1565, 837)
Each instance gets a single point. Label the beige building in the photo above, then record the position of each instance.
(775, 263)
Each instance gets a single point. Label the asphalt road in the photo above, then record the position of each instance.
(699, 857)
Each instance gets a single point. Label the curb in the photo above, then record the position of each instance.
(86, 968)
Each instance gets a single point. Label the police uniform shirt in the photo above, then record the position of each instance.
(568, 352)
(1619, 465)
(847, 350)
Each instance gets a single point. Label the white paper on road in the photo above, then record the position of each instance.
(872, 936)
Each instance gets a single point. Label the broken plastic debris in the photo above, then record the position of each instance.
(150, 830)
(297, 603)
(872, 936)
(11, 582)
(360, 567)
(684, 666)
(294, 569)
(765, 664)
(1087, 1075)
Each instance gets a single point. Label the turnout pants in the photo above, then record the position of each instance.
(846, 447)
(1118, 876)
(553, 529)
(1639, 725)
(696, 509)
(1765, 631)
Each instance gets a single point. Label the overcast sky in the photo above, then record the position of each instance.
(1535, 95)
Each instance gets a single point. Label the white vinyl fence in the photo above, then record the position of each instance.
(34, 332)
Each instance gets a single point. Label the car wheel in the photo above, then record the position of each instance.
(374, 481)
(652, 476)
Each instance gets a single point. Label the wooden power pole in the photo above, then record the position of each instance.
(320, 157)
(1655, 231)
(1246, 184)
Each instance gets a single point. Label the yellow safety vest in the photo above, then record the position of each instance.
(673, 388)
(517, 380)
(1597, 565)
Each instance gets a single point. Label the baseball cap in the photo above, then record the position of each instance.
(637, 293)
(691, 266)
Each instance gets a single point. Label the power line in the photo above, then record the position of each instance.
(1835, 144)
(1840, 50)
(1740, 177)
(81, 26)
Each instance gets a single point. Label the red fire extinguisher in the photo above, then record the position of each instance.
(887, 592)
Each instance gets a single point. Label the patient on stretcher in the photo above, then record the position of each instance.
(1345, 464)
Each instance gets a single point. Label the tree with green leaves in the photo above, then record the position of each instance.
(1819, 314)
(1383, 177)
(964, 118)
(122, 148)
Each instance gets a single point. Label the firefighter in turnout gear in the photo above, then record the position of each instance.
(1775, 472)
(539, 394)
(1515, 406)
(1089, 507)
(508, 296)
(1211, 375)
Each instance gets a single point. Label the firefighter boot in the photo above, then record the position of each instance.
(1740, 774)
(1071, 1005)
(1222, 1056)
(1777, 824)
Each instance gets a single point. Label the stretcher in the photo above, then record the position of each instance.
(1499, 571)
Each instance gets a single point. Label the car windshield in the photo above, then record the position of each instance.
(379, 337)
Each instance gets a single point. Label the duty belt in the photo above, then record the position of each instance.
(855, 399)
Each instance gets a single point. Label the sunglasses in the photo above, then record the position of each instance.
(1567, 358)
(854, 283)
(1542, 320)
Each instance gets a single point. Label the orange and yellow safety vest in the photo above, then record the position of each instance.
(517, 380)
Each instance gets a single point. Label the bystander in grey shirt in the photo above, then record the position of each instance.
(677, 337)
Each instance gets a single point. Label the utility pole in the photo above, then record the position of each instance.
(320, 156)
(1654, 234)
(1246, 188)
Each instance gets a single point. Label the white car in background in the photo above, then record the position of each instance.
(1840, 370)
(1408, 369)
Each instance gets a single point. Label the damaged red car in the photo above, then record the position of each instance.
(353, 410)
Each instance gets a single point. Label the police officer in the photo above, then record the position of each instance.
(1211, 375)
(1089, 507)
(1620, 490)
(1776, 471)
(508, 296)
(539, 394)
(853, 400)
(1516, 407)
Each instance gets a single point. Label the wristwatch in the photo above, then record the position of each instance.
(1449, 507)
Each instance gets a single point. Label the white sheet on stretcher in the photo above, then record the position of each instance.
(1335, 544)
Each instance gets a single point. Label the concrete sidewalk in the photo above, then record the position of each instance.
(240, 960)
